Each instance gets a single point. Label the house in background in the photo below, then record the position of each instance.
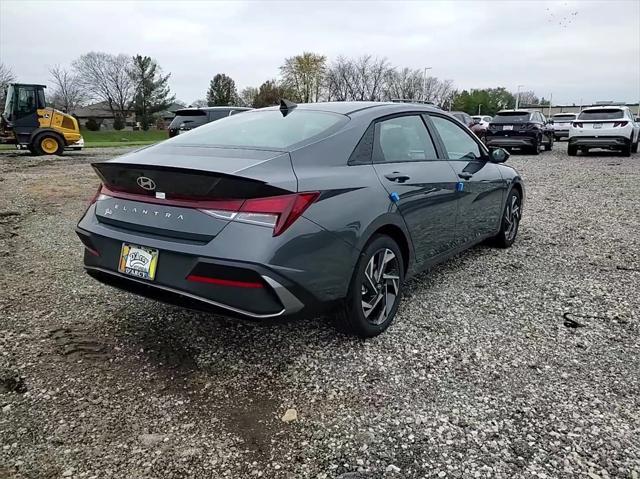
(102, 115)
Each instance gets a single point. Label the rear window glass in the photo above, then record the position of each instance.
(608, 114)
(563, 117)
(264, 129)
(189, 118)
(511, 116)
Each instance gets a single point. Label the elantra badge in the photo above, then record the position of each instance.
(146, 183)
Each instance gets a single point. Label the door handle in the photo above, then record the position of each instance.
(465, 176)
(397, 176)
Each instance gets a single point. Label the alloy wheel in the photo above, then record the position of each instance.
(380, 286)
(512, 218)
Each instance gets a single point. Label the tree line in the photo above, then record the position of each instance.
(125, 83)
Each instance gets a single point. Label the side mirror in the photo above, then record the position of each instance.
(498, 155)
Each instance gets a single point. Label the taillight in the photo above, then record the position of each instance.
(95, 197)
(577, 124)
(620, 123)
(277, 212)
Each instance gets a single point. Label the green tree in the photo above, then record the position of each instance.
(222, 91)
(486, 101)
(304, 75)
(270, 93)
(152, 93)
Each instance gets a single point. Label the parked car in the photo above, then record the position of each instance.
(520, 129)
(608, 127)
(480, 125)
(561, 123)
(287, 211)
(482, 120)
(190, 118)
(463, 117)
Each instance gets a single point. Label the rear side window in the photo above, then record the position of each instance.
(512, 117)
(457, 142)
(402, 139)
(604, 114)
(189, 119)
(264, 129)
(217, 114)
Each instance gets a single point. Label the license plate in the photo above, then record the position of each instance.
(507, 127)
(597, 125)
(138, 261)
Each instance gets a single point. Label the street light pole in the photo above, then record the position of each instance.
(424, 83)
(518, 96)
(479, 108)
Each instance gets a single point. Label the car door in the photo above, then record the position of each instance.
(481, 188)
(421, 184)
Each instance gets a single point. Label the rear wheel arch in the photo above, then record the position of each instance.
(392, 225)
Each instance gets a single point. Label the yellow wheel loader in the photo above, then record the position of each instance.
(28, 123)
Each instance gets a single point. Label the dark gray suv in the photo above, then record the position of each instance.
(292, 210)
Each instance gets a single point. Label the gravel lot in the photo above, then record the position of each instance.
(478, 377)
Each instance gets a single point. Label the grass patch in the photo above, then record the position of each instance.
(113, 137)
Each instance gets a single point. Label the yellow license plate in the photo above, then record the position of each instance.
(138, 261)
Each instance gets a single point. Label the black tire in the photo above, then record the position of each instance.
(626, 150)
(48, 144)
(535, 148)
(351, 318)
(572, 150)
(510, 221)
(549, 145)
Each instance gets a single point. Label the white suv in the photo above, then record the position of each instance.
(561, 123)
(609, 127)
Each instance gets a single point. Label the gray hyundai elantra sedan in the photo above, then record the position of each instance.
(297, 209)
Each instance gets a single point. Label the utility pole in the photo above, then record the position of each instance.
(479, 108)
(518, 96)
(424, 83)
(550, 102)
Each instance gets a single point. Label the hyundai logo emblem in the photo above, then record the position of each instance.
(146, 183)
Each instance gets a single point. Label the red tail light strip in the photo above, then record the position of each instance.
(224, 282)
(287, 208)
(231, 205)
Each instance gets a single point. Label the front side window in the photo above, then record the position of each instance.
(457, 142)
(26, 102)
(404, 138)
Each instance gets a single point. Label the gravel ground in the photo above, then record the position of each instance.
(483, 374)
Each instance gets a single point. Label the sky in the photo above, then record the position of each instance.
(577, 51)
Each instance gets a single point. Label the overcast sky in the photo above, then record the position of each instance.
(576, 50)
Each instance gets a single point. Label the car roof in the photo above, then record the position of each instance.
(213, 108)
(514, 111)
(565, 113)
(606, 107)
(351, 107)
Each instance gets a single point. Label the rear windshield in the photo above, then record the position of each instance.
(189, 118)
(564, 117)
(264, 129)
(511, 117)
(604, 114)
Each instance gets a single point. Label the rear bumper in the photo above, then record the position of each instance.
(277, 297)
(561, 133)
(301, 272)
(510, 141)
(599, 141)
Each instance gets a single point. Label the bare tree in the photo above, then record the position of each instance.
(359, 79)
(68, 93)
(527, 98)
(198, 103)
(404, 84)
(6, 77)
(105, 77)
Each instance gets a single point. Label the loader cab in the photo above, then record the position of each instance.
(22, 104)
